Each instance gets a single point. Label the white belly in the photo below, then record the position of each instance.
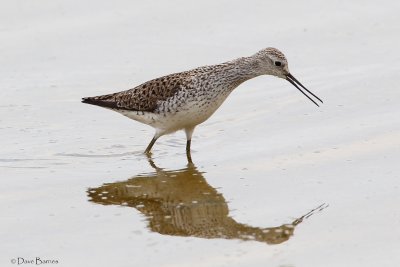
(185, 115)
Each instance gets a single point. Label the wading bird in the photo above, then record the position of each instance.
(181, 101)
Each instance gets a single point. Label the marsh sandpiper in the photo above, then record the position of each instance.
(181, 101)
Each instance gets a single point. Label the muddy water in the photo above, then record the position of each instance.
(276, 181)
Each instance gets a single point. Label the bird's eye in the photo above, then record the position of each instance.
(278, 63)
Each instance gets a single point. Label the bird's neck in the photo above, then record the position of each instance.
(240, 70)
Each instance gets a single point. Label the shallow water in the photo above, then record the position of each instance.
(77, 188)
(182, 203)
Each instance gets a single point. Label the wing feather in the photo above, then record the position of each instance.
(144, 97)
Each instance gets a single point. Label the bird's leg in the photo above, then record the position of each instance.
(147, 151)
(189, 132)
(188, 155)
(188, 142)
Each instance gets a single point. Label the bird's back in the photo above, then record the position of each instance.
(143, 97)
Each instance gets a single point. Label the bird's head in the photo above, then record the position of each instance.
(271, 61)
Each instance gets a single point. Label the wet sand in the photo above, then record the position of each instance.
(77, 188)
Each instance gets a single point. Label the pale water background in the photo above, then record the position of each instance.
(268, 155)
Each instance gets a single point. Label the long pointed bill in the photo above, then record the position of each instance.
(295, 82)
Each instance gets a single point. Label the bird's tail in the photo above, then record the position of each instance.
(106, 101)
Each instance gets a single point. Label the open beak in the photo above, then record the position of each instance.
(296, 84)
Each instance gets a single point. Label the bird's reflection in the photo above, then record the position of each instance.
(182, 203)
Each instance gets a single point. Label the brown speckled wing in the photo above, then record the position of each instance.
(143, 97)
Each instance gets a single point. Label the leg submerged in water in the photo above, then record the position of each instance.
(189, 133)
(152, 142)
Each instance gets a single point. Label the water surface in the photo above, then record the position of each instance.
(76, 187)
